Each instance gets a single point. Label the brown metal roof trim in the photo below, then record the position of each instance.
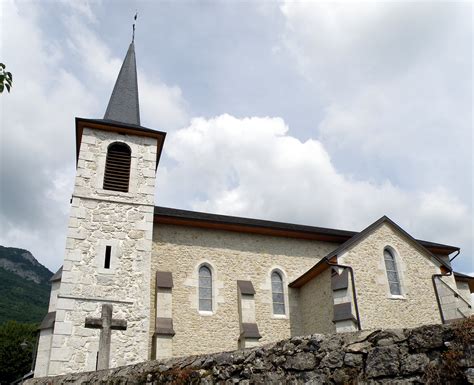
(164, 327)
(310, 274)
(250, 330)
(246, 287)
(164, 279)
(166, 215)
(121, 128)
(48, 321)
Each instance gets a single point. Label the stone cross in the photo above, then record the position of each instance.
(106, 324)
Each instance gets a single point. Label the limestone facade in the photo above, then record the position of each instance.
(124, 222)
(316, 305)
(231, 256)
(378, 308)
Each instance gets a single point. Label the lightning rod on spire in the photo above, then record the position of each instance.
(133, 26)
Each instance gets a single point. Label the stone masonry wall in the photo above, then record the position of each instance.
(316, 305)
(377, 307)
(231, 256)
(434, 354)
(99, 218)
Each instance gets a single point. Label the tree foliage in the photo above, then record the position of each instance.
(6, 78)
(22, 300)
(15, 359)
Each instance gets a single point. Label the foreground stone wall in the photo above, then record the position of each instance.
(434, 354)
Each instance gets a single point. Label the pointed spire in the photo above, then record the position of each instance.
(123, 104)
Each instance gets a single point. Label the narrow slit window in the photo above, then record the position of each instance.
(205, 289)
(117, 167)
(108, 251)
(278, 295)
(392, 273)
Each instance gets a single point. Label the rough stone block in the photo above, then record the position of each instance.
(383, 361)
(426, 337)
(353, 360)
(65, 304)
(414, 363)
(300, 361)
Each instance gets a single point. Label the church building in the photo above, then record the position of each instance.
(142, 282)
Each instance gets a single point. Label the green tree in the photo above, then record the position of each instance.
(16, 356)
(6, 79)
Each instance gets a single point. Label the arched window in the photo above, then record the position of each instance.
(392, 272)
(117, 167)
(205, 289)
(278, 296)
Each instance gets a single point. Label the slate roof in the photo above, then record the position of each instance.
(123, 104)
(57, 275)
(48, 321)
(343, 235)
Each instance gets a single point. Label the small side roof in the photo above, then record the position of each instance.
(57, 275)
(465, 278)
(48, 321)
(324, 263)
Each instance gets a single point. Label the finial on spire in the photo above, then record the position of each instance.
(133, 27)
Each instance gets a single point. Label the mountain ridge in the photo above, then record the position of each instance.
(24, 286)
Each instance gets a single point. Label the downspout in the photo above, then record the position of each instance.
(354, 294)
(433, 280)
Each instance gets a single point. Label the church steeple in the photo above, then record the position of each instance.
(123, 104)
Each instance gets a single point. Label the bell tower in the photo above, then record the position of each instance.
(109, 241)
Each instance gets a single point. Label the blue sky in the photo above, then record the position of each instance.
(328, 114)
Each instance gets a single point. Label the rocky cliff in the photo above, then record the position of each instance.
(24, 286)
(433, 354)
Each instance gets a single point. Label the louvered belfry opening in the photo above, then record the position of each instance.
(117, 167)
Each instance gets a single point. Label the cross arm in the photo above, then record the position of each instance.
(118, 324)
(93, 323)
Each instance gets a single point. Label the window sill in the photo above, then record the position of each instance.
(101, 191)
(205, 313)
(104, 271)
(397, 297)
(279, 316)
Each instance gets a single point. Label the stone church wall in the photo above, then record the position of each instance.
(231, 257)
(432, 354)
(316, 305)
(99, 218)
(378, 308)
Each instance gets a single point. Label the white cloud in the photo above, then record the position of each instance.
(162, 106)
(396, 79)
(37, 135)
(253, 167)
